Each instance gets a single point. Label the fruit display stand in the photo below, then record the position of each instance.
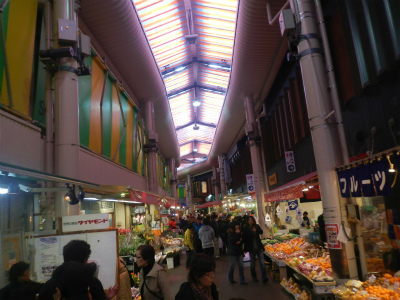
(386, 287)
(279, 265)
(319, 290)
(294, 289)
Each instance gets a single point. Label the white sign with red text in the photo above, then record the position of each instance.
(85, 222)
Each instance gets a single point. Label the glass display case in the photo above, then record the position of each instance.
(374, 228)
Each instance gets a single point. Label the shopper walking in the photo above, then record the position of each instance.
(200, 285)
(21, 286)
(153, 281)
(188, 241)
(235, 252)
(198, 224)
(214, 226)
(253, 245)
(207, 236)
(222, 226)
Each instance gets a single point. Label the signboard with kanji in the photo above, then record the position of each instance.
(290, 164)
(85, 222)
(250, 183)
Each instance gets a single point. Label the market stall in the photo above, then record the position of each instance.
(288, 204)
(384, 287)
(172, 250)
(303, 268)
(239, 204)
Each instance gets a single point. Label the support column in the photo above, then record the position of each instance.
(323, 132)
(253, 135)
(46, 205)
(174, 180)
(66, 148)
(221, 158)
(151, 148)
(215, 183)
(189, 196)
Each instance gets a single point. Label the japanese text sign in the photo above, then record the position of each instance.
(332, 231)
(367, 180)
(85, 222)
(250, 183)
(290, 164)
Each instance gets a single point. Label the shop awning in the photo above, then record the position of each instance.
(145, 198)
(31, 174)
(291, 190)
(170, 202)
(209, 204)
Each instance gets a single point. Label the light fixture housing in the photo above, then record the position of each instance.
(70, 196)
(81, 195)
(13, 188)
(196, 103)
(196, 127)
(392, 169)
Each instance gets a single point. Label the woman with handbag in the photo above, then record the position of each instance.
(153, 281)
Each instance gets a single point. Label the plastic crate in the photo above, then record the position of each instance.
(313, 237)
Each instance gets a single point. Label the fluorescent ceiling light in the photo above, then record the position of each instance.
(119, 201)
(179, 69)
(3, 191)
(214, 66)
(91, 199)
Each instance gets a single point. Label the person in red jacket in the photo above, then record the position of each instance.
(172, 224)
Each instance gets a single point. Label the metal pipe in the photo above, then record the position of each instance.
(66, 118)
(215, 178)
(393, 24)
(222, 174)
(269, 13)
(258, 172)
(375, 38)
(332, 83)
(324, 133)
(263, 114)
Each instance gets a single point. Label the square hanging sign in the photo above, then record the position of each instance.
(293, 204)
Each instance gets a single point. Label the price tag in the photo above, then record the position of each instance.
(386, 282)
(372, 279)
(363, 293)
(397, 284)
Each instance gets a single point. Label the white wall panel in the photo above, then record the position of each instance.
(96, 169)
(20, 142)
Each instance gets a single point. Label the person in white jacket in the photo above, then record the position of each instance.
(207, 236)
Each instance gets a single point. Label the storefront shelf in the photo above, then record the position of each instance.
(289, 291)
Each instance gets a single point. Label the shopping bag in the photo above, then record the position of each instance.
(220, 243)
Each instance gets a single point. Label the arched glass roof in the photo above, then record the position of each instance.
(192, 42)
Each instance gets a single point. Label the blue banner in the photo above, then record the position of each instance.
(368, 180)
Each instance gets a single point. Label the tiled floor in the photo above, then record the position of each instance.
(252, 291)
